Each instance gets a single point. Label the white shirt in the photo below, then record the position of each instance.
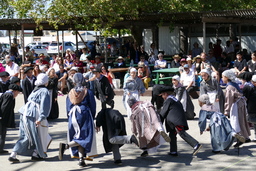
(160, 62)
(187, 78)
(14, 69)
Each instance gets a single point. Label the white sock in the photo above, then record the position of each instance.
(160, 129)
(13, 154)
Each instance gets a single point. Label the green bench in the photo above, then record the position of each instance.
(164, 80)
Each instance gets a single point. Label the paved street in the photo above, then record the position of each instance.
(204, 160)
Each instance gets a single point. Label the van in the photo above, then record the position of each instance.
(53, 48)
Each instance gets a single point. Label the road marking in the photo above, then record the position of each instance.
(235, 163)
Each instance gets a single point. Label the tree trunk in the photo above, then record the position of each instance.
(183, 40)
(136, 32)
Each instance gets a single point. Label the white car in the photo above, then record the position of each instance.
(53, 48)
(38, 49)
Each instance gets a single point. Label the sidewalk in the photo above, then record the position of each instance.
(204, 160)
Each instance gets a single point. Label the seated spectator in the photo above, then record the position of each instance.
(190, 64)
(71, 54)
(62, 77)
(56, 66)
(36, 70)
(175, 63)
(196, 50)
(68, 62)
(197, 64)
(160, 63)
(240, 64)
(143, 73)
(79, 64)
(97, 63)
(182, 63)
(252, 63)
(224, 62)
(120, 62)
(187, 79)
(142, 52)
(41, 60)
(143, 60)
(84, 55)
(12, 68)
(207, 65)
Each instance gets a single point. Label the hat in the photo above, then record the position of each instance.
(176, 77)
(176, 56)
(41, 79)
(96, 70)
(239, 53)
(133, 70)
(141, 65)
(27, 47)
(15, 80)
(120, 57)
(92, 67)
(163, 89)
(204, 99)
(254, 78)
(229, 74)
(197, 57)
(97, 56)
(189, 59)
(4, 74)
(41, 54)
(74, 69)
(14, 87)
(27, 69)
(245, 76)
(183, 60)
(205, 71)
(186, 66)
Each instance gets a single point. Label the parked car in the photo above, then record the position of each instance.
(38, 49)
(53, 48)
(4, 49)
(46, 44)
(81, 45)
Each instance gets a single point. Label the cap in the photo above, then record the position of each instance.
(4, 74)
(186, 66)
(163, 89)
(189, 59)
(27, 69)
(14, 87)
(176, 77)
(74, 69)
(96, 70)
(15, 80)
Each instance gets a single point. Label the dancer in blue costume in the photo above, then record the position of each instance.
(34, 138)
(81, 109)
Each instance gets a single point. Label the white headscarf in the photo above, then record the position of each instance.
(41, 79)
(230, 75)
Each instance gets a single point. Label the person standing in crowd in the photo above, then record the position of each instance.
(183, 96)
(34, 138)
(81, 109)
(252, 63)
(217, 49)
(28, 83)
(235, 106)
(108, 74)
(7, 117)
(62, 78)
(114, 132)
(29, 54)
(222, 134)
(4, 81)
(175, 121)
(146, 126)
(133, 87)
(196, 50)
(53, 91)
(153, 52)
(211, 87)
(143, 52)
(103, 89)
(90, 77)
(249, 91)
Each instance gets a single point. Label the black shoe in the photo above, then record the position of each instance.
(14, 160)
(4, 152)
(62, 148)
(198, 146)
(247, 140)
(81, 163)
(144, 154)
(112, 104)
(134, 140)
(215, 152)
(34, 158)
(238, 144)
(118, 162)
(173, 154)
